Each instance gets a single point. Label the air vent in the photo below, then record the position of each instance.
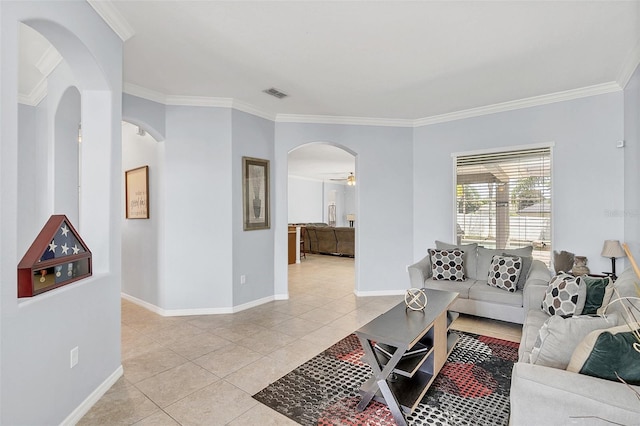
(275, 92)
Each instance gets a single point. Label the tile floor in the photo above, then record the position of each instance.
(202, 370)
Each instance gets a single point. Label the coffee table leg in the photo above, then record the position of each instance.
(392, 403)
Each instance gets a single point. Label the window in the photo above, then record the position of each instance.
(503, 200)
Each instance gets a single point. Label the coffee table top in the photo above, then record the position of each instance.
(402, 327)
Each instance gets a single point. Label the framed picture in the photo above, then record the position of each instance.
(137, 193)
(255, 193)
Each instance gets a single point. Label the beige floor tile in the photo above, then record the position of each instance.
(322, 315)
(217, 404)
(254, 377)
(170, 335)
(237, 332)
(149, 364)
(297, 353)
(228, 359)
(263, 416)
(141, 345)
(123, 404)
(160, 418)
(176, 383)
(298, 327)
(195, 346)
(267, 341)
(326, 336)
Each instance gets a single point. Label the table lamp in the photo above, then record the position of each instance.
(613, 249)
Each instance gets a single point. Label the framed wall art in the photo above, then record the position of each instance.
(255, 193)
(137, 193)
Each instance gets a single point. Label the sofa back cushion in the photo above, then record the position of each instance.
(485, 256)
(469, 257)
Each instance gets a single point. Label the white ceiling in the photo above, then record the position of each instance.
(383, 60)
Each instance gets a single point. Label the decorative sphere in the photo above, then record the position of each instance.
(415, 299)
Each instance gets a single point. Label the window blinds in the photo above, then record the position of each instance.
(503, 199)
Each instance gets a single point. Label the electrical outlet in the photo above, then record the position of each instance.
(74, 357)
(243, 279)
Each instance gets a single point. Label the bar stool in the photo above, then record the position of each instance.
(302, 253)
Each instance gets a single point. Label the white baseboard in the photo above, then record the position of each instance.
(379, 293)
(283, 296)
(94, 397)
(196, 311)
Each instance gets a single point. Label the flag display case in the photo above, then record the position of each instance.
(57, 257)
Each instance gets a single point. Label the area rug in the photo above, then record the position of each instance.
(471, 389)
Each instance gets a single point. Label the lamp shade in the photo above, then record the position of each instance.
(351, 217)
(612, 248)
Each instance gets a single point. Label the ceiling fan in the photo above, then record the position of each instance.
(351, 179)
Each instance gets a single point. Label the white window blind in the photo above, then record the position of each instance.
(503, 200)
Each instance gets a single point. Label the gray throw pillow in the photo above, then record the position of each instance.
(504, 272)
(469, 257)
(565, 295)
(558, 338)
(485, 256)
(526, 267)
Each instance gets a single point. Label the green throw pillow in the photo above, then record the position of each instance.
(612, 352)
(596, 288)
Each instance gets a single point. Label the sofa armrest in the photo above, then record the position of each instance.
(419, 272)
(549, 396)
(535, 286)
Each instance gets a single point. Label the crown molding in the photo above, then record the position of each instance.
(49, 60)
(358, 121)
(110, 14)
(630, 65)
(566, 95)
(143, 92)
(36, 95)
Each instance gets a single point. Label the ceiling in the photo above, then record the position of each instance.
(380, 60)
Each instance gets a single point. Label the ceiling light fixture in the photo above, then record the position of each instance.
(275, 92)
(351, 179)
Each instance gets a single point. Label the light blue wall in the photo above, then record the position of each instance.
(587, 170)
(198, 262)
(384, 236)
(142, 239)
(631, 212)
(147, 114)
(252, 250)
(38, 386)
(305, 200)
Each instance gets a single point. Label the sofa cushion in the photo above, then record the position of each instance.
(558, 337)
(565, 295)
(461, 287)
(605, 353)
(599, 291)
(447, 265)
(469, 258)
(532, 323)
(527, 261)
(624, 286)
(504, 272)
(482, 292)
(485, 256)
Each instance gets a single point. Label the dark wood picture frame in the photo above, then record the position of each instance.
(255, 194)
(137, 193)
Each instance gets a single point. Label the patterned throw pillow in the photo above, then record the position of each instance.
(564, 296)
(504, 272)
(447, 264)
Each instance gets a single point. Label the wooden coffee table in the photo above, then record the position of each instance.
(406, 349)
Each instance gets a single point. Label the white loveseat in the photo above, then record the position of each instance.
(476, 297)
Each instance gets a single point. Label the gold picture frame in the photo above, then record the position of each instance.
(255, 194)
(137, 193)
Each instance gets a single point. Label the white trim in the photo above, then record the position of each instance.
(504, 149)
(379, 293)
(199, 101)
(629, 66)
(358, 121)
(93, 397)
(284, 296)
(110, 14)
(143, 92)
(197, 311)
(567, 95)
(37, 94)
(48, 62)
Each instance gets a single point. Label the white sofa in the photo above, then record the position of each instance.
(543, 395)
(476, 297)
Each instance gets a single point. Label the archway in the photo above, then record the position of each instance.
(322, 201)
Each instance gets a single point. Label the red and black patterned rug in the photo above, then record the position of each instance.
(471, 389)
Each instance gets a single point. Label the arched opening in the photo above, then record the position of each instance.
(141, 247)
(322, 209)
